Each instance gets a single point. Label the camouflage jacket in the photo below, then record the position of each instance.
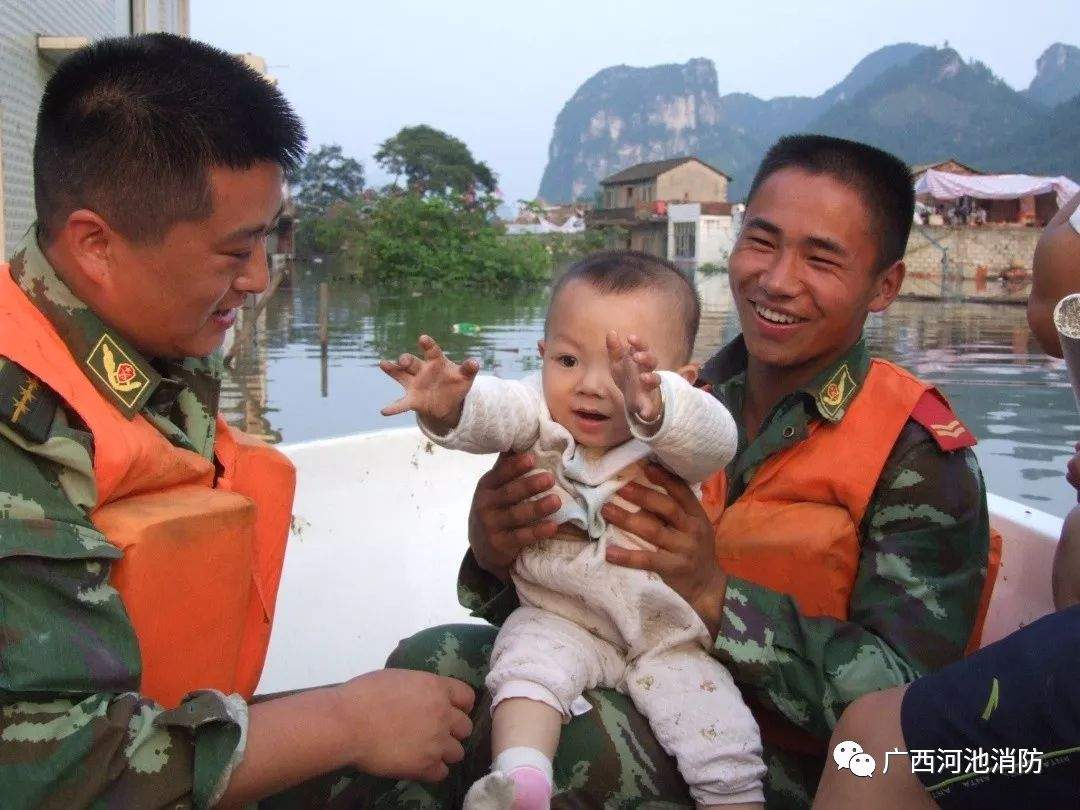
(923, 561)
(74, 730)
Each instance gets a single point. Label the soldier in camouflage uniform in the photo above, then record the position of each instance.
(158, 174)
(923, 540)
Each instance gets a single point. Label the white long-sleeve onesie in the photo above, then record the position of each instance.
(585, 623)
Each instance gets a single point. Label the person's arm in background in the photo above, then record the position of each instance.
(1066, 575)
(1055, 273)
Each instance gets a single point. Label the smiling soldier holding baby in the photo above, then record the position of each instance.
(843, 549)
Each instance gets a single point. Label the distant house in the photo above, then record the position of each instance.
(675, 208)
(682, 179)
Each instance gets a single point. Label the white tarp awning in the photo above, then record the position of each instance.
(947, 186)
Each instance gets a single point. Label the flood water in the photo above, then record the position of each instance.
(1014, 398)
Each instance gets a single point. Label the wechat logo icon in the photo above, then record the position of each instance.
(850, 755)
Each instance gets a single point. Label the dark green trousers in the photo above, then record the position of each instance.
(608, 758)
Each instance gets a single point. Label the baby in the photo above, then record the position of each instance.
(615, 391)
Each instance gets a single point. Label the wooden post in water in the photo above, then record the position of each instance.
(253, 307)
(324, 334)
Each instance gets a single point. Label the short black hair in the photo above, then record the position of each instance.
(880, 178)
(130, 128)
(623, 271)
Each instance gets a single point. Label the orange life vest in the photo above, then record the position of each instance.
(202, 557)
(795, 529)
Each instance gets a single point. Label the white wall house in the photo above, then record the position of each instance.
(35, 35)
(701, 233)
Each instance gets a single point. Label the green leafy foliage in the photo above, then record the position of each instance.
(413, 241)
(327, 177)
(433, 162)
(325, 190)
(425, 236)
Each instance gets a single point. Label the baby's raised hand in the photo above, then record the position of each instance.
(435, 386)
(633, 368)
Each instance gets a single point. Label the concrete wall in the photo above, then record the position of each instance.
(160, 15)
(628, 194)
(714, 238)
(23, 73)
(691, 182)
(991, 263)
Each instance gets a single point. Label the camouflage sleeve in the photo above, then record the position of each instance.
(74, 731)
(925, 542)
(484, 595)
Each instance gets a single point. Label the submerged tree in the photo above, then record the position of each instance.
(431, 241)
(327, 177)
(433, 162)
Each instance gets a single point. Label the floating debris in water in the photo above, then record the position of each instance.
(465, 328)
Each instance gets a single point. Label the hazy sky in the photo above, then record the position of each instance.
(495, 74)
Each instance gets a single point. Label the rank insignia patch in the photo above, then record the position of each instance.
(26, 404)
(121, 375)
(837, 392)
(932, 411)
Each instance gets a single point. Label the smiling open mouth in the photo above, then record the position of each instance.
(590, 416)
(772, 316)
(224, 317)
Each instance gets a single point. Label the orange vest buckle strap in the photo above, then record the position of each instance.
(202, 559)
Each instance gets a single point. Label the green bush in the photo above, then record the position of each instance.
(410, 240)
(711, 268)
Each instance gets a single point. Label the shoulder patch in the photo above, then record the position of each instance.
(934, 413)
(27, 405)
(836, 393)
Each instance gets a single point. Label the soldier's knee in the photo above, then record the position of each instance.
(456, 650)
(420, 650)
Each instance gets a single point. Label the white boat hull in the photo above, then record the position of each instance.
(379, 532)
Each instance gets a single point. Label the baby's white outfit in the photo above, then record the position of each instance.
(585, 623)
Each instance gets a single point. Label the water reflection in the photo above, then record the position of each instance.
(1016, 400)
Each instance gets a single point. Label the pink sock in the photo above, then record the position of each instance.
(532, 790)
